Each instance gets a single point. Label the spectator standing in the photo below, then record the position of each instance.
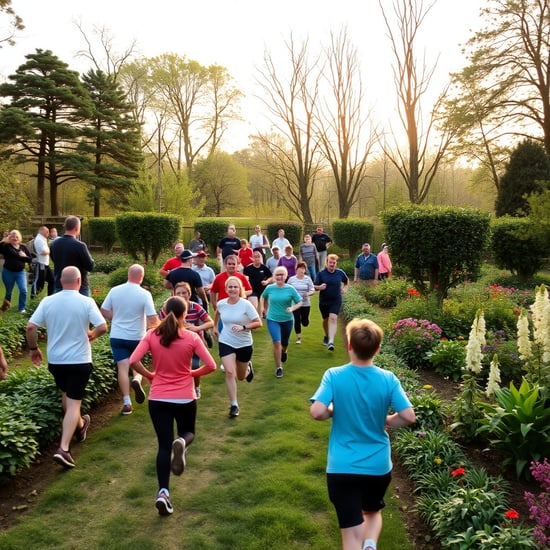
(259, 240)
(187, 274)
(273, 261)
(206, 273)
(281, 241)
(131, 310)
(16, 257)
(308, 254)
(230, 244)
(278, 302)
(332, 282)
(68, 250)
(237, 317)
(366, 266)
(304, 286)
(384, 263)
(172, 396)
(67, 316)
(197, 244)
(259, 277)
(322, 242)
(53, 234)
(172, 263)
(358, 397)
(43, 273)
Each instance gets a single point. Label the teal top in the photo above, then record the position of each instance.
(279, 298)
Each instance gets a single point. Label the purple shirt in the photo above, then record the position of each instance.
(290, 264)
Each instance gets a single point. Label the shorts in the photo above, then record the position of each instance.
(71, 379)
(280, 331)
(243, 355)
(122, 349)
(195, 362)
(353, 494)
(327, 309)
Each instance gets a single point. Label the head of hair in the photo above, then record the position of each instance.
(168, 329)
(72, 223)
(244, 242)
(234, 279)
(365, 337)
(281, 269)
(332, 257)
(183, 284)
(17, 232)
(231, 257)
(303, 265)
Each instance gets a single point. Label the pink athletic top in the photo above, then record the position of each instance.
(173, 377)
(384, 263)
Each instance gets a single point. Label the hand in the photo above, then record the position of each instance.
(36, 356)
(289, 310)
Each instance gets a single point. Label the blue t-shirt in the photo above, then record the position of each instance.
(366, 266)
(333, 293)
(361, 399)
(279, 299)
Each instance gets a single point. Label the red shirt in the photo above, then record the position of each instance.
(218, 286)
(245, 256)
(172, 263)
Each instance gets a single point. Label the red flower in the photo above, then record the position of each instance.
(413, 292)
(458, 472)
(512, 514)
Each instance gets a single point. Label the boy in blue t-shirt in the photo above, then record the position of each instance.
(357, 397)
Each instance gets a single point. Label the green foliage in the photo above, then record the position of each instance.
(152, 281)
(18, 444)
(465, 409)
(347, 265)
(103, 231)
(350, 234)
(387, 292)
(293, 232)
(448, 358)
(212, 231)
(12, 334)
(437, 261)
(529, 164)
(517, 246)
(107, 263)
(355, 306)
(15, 206)
(428, 407)
(147, 234)
(519, 425)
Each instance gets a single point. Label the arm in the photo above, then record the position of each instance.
(97, 332)
(3, 365)
(216, 324)
(206, 358)
(355, 273)
(294, 307)
(152, 321)
(319, 411)
(401, 418)
(163, 272)
(202, 295)
(107, 313)
(136, 357)
(32, 342)
(263, 305)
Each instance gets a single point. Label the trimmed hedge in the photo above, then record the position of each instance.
(212, 231)
(293, 232)
(103, 231)
(350, 234)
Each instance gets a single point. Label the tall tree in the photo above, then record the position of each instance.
(417, 164)
(292, 151)
(10, 23)
(345, 142)
(510, 60)
(529, 166)
(44, 120)
(111, 145)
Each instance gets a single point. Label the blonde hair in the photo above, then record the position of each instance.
(365, 337)
(233, 279)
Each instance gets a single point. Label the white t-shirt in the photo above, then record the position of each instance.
(207, 274)
(281, 243)
(67, 316)
(41, 244)
(131, 305)
(257, 241)
(241, 313)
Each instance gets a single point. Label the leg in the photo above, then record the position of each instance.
(123, 369)
(372, 526)
(71, 420)
(286, 331)
(304, 315)
(352, 538)
(229, 363)
(49, 280)
(332, 326)
(162, 417)
(8, 278)
(297, 322)
(325, 326)
(275, 331)
(254, 301)
(22, 285)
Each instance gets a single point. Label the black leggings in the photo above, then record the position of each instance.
(162, 415)
(301, 318)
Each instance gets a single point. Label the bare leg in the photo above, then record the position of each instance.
(352, 537)
(277, 353)
(230, 364)
(71, 420)
(372, 526)
(123, 368)
(325, 326)
(332, 326)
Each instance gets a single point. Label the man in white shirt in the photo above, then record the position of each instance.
(281, 241)
(67, 316)
(206, 273)
(43, 274)
(131, 310)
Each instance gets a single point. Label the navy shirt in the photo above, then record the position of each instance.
(333, 293)
(229, 245)
(366, 266)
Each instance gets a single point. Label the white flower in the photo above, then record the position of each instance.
(541, 322)
(524, 343)
(494, 377)
(476, 341)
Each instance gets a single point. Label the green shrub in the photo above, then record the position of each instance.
(347, 265)
(350, 234)
(387, 292)
(355, 306)
(448, 358)
(103, 231)
(428, 407)
(212, 231)
(152, 281)
(107, 263)
(12, 334)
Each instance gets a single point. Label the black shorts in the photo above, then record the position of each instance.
(333, 307)
(71, 379)
(243, 355)
(353, 494)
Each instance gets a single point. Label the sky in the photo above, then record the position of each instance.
(236, 33)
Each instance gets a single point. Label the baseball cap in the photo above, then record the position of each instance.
(186, 255)
(201, 253)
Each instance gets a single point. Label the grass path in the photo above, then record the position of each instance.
(253, 482)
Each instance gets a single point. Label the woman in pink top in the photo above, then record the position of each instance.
(172, 395)
(384, 263)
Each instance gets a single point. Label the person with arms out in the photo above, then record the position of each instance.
(366, 266)
(259, 277)
(197, 244)
(43, 273)
(189, 275)
(281, 241)
(230, 244)
(322, 242)
(259, 240)
(172, 397)
(273, 261)
(332, 282)
(131, 310)
(308, 254)
(16, 257)
(238, 318)
(67, 316)
(174, 262)
(384, 263)
(304, 286)
(68, 250)
(278, 303)
(358, 397)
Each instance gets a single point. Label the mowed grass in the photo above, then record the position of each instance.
(254, 482)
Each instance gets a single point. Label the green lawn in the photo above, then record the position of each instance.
(254, 482)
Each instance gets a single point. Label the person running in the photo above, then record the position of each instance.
(131, 310)
(196, 320)
(172, 397)
(308, 254)
(67, 316)
(289, 261)
(304, 286)
(245, 253)
(332, 282)
(238, 317)
(174, 262)
(16, 257)
(278, 302)
(259, 277)
(259, 240)
(218, 288)
(230, 244)
(358, 397)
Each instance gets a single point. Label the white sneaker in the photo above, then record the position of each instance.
(222, 368)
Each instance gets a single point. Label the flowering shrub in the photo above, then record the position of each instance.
(412, 339)
(499, 342)
(386, 293)
(428, 408)
(354, 304)
(448, 358)
(539, 505)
